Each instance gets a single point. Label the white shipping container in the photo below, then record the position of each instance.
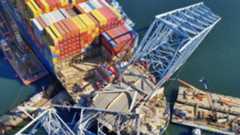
(85, 7)
(96, 3)
(52, 17)
(37, 26)
(46, 19)
(58, 16)
(109, 39)
(105, 3)
(128, 27)
(64, 13)
(38, 30)
(92, 6)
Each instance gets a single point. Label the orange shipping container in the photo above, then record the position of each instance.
(118, 39)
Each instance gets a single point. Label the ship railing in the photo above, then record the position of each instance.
(116, 5)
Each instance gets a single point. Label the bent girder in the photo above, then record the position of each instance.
(79, 120)
(172, 36)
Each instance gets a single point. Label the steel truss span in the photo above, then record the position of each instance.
(172, 38)
(81, 121)
(168, 43)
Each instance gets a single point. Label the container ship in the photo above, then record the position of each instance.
(84, 44)
(72, 38)
(79, 40)
(46, 27)
(93, 50)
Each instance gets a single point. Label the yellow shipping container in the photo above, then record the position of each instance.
(36, 11)
(88, 21)
(100, 18)
(51, 36)
(83, 25)
(46, 5)
(64, 3)
(56, 32)
(74, 20)
(55, 60)
(96, 32)
(91, 25)
(54, 50)
(74, 2)
(29, 10)
(80, 24)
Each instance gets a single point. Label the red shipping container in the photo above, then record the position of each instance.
(40, 4)
(120, 40)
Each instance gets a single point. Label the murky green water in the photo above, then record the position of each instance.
(217, 59)
(12, 92)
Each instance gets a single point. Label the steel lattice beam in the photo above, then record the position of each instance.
(172, 38)
(168, 43)
(79, 121)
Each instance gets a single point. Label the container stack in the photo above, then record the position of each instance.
(37, 7)
(109, 16)
(40, 23)
(69, 37)
(65, 31)
(118, 40)
(104, 16)
(101, 12)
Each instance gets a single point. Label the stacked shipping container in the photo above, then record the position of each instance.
(37, 7)
(71, 36)
(45, 20)
(118, 39)
(66, 32)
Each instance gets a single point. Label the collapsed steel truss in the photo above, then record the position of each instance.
(172, 38)
(79, 121)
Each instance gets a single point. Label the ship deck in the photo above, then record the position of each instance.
(128, 96)
(78, 74)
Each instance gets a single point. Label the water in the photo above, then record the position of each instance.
(216, 59)
(12, 91)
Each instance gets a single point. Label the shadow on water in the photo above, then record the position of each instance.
(6, 70)
(186, 133)
(15, 87)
